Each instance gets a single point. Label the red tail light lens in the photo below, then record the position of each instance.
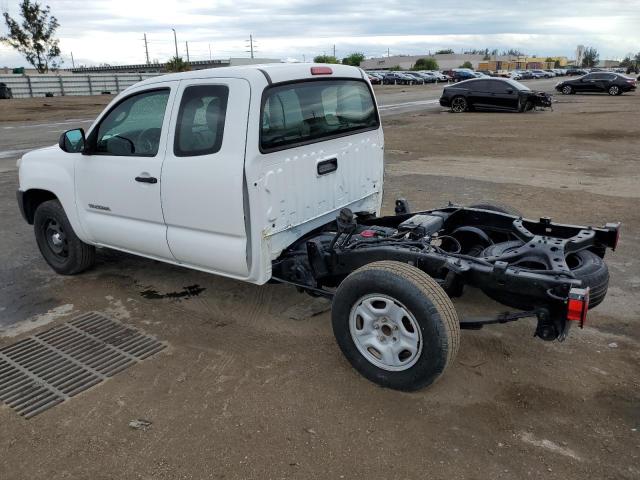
(578, 305)
(321, 71)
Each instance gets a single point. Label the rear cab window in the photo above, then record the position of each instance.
(306, 112)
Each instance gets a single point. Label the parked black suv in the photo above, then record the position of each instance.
(612, 83)
(494, 94)
(5, 92)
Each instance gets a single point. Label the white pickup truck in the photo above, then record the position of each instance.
(275, 173)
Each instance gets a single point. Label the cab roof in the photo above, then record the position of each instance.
(269, 73)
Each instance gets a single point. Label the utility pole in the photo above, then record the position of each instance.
(304, 58)
(187, 45)
(210, 58)
(146, 48)
(387, 52)
(334, 50)
(250, 45)
(73, 64)
(175, 40)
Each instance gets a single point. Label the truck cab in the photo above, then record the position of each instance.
(218, 170)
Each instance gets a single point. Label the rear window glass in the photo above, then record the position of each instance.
(201, 119)
(308, 112)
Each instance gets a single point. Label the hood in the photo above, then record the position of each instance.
(39, 154)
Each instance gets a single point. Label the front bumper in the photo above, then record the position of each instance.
(445, 102)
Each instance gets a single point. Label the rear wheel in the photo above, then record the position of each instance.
(567, 90)
(395, 325)
(614, 90)
(459, 104)
(58, 243)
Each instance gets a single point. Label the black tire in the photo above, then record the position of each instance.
(459, 104)
(527, 106)
(614, 90)
(585, 265)
(58, 243)
(567, 90)
(424, 300)
(497, 207)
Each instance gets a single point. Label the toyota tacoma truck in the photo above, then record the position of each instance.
(274, 173)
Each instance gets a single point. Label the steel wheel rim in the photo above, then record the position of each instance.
(385, 332)
(56, 238)
(458, 105)
(566, 89)
(613, 90)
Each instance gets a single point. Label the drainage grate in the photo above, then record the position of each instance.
(52, 366)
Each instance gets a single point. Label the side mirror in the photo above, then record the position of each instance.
(509, 90)
(72, 141)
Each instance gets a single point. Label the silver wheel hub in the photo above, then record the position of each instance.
(56, 239)
(385, 332)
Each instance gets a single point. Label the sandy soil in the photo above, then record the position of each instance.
(249, 389)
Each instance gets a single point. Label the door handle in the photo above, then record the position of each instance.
(147, 179)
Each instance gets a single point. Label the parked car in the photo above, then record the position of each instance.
(525, 74)
(440, 76)
(462, 75)
(393, 78)
(494, 94)
(514, 75)
(5, 92)
(540, 74)
(374, 79)
(417, 78)
(574, 71)
(612, 83)
(427, 77)
(194, 169)
(551, 73)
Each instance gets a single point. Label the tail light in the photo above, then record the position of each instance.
(321, 71)
(578, 305)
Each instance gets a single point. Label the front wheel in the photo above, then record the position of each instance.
(567, 90)
(459, 104)
(58, 243)
(395, 325)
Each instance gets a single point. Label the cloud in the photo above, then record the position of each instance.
(111, 32)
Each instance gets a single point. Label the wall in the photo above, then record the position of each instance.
(24, 86)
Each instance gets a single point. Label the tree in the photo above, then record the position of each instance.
(627, 62)
(513, 52)
(590, 57)
(177, 64)
(447, 51)
(34, 37)
(556, 64)
(325, 59)
(426, 64)
(354, 59)
(466, 64)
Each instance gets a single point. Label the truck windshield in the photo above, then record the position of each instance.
(307, 112)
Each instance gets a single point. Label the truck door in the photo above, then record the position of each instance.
(117, 183)
(203, 176)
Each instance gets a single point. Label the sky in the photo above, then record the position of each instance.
(111, 31)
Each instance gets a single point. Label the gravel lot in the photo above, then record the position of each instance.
(251, 387)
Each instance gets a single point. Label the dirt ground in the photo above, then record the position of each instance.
(250, 387)
(53, 108)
